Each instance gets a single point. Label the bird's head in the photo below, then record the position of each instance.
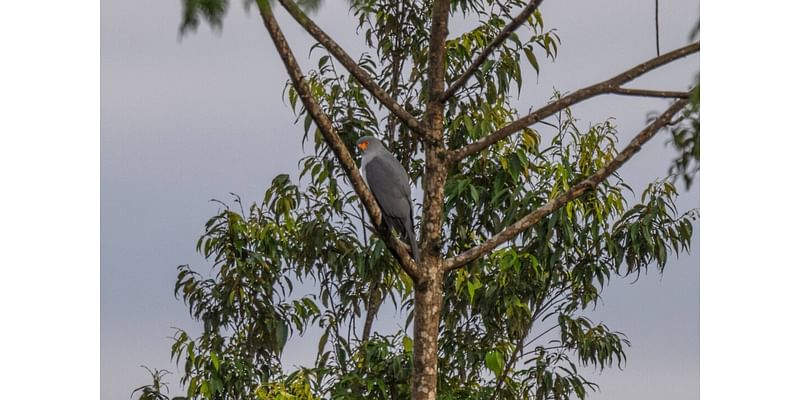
(368, 142)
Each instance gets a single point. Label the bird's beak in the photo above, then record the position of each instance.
(362, 146)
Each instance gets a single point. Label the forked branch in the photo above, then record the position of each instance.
(609, 86)
(361, 76)
(571, 194)
(333, 140)
(515, 23)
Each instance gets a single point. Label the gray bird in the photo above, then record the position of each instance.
(389, 183)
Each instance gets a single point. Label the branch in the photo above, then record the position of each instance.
(651, 93)
(333, 140)
(605, 87)
(374, 301)
(501, 37)
(361, 76)
(571, 194)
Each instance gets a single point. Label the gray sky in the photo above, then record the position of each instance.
(186, 121)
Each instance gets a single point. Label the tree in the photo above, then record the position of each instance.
(519, 232)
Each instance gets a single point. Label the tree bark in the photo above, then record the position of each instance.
(435, 152)
(427, 313)
(428, 290)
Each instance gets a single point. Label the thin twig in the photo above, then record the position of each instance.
(515, 23)
(658, 42)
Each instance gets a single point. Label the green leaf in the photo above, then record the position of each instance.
(408, 344)
(307, 123)
(470, 127)
(491, 92)
(538, 16)
(323, 340)
(531, 58)
(215, 360)
(281, 335)
(192, 388)
(474, 193)
(494, 361)
(293, 98)
(471, 286)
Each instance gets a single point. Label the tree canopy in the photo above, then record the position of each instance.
(524, 219)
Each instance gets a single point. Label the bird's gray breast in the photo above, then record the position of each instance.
(389, 183)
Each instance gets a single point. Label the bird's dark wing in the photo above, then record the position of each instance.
(389, 184)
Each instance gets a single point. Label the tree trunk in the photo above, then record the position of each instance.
(428, 289)
(427, 312)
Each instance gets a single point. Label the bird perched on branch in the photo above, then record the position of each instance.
(389, 183)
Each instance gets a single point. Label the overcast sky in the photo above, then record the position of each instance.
(185, 121)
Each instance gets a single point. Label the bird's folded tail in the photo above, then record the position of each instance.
(412, 240)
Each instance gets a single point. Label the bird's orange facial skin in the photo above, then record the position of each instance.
(362, 146)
